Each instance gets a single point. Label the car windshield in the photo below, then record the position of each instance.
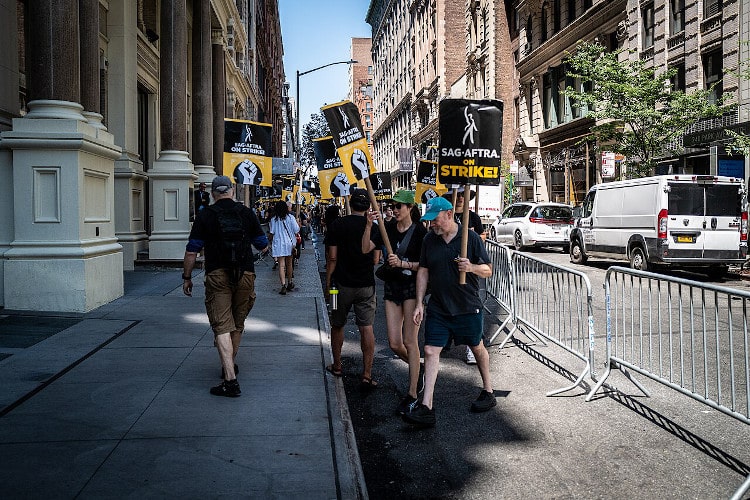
(563, 214)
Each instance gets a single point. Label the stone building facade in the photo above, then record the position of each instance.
(110, 112)
(699, 38)
(392, 90)
(552, 163)
(425, 51)
(703, 41)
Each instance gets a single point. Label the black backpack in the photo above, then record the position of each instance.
(233, 246)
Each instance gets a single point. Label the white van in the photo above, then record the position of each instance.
(676, 220)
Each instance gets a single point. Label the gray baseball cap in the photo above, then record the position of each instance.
(221, 184)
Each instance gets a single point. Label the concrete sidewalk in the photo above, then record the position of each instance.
(118, 404)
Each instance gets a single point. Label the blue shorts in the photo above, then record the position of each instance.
(464, 329)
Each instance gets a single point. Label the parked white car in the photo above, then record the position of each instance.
(529, 224)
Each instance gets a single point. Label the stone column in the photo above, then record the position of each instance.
(88, 15)
(202, 93)
(64, 255)
(219, 91)
(8, 110)
(172, 175)
(122, 121)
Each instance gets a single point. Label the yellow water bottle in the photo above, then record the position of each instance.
(334, 292)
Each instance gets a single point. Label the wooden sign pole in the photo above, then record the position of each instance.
(464, 232)
(381, 222)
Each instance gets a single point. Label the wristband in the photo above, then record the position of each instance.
(187, 278)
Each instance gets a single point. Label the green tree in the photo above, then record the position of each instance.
(739, 142)
(636, 112)
(317, 127)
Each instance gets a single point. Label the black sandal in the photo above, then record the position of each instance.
(336, 372)
(368, 384)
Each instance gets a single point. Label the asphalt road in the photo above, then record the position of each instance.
(532, 446)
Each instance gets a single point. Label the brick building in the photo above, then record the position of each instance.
(360, 83)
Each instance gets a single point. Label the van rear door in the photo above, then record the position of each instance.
(704, 220)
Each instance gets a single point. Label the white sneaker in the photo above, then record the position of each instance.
(470, 359)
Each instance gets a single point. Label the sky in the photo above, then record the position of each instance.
(314, 33)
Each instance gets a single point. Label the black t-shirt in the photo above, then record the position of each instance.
(206, 230)
(447, 295)
(353, 268)
(475, 221)
(413, 251)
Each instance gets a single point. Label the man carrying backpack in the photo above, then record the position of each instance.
(226, 230)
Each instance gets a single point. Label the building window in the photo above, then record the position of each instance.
(556, 15)
(571, 11)
(545, 20)
(557, 108)
(711, 7)
(677, 21)
(648, 25)
(712, 73)
(529, 27)
(587, 4)
(549, 99)
(678, 80)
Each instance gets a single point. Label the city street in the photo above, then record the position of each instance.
(619, 445)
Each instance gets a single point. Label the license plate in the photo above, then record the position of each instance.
(684, 239)
(555, 226)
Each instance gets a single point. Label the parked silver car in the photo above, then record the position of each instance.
(528, 224)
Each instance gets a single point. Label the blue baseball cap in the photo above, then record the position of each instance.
(435, 206)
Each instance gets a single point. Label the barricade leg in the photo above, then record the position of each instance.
(742, 490)
(574, 385)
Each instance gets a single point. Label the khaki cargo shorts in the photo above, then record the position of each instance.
(228, 306)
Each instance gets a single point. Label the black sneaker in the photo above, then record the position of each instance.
(236, 371)
(228, 388)
(420, 380)
(484, 402)
(420, 415)
(406, 405)
(283, 290)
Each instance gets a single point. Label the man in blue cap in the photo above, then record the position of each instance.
(454, 310)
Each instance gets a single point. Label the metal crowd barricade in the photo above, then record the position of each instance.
(498, 285)
(689, 336)
(555, 303)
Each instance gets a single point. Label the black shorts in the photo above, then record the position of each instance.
(399, 291)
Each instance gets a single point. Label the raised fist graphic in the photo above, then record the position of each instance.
(248, 173)
(340, 185)
(360, 165)
(428, 195)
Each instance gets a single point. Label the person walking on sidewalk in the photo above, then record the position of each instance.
(226, 230)
(283, 227)
(400, 289)
(352, 272)
(454, 310)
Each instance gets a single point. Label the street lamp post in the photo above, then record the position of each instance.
(296, 121)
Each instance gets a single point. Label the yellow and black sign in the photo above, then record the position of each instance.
(428, 185)
(331, 176)
(470, 141)
(247, 152)
(382, 185)
(348, 136)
